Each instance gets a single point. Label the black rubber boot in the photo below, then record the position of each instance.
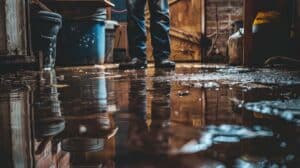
(135, 63)
(165, 63)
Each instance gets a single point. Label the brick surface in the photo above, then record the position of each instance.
(228, 12)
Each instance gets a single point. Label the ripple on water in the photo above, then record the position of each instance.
(223, 134)
(288, 110)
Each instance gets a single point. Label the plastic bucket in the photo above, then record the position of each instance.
(82, 40)
(45, 27)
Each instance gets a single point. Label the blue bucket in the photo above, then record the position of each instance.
(82, 41)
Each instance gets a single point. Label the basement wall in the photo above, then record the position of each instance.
(228, 12)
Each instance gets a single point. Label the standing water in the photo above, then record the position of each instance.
(195, 116)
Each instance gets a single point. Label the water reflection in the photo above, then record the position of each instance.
(15, 127)
(288, 110)
(158, 140)
(150, 114)
(188, 106)
(80, 137)
(223, 134)
(87, 94)
(145, 118)
(90, 139)
(48, 117)
(49, 121)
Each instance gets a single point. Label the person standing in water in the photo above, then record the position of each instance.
(137, 35)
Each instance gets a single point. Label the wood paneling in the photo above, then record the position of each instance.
(185, 16)
(14, 31)
(186, 27)
(249, 15)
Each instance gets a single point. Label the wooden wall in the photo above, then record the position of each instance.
(13, 28)
(249, 16)
(186, 26)
(14, 31)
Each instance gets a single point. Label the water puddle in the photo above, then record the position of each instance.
(223, 134)
(288, 110)
(195, 116)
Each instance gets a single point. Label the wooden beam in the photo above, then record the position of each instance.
(249, 16)
(14, 32)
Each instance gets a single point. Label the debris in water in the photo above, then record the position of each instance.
(233, 76)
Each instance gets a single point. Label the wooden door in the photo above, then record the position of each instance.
(186, 27)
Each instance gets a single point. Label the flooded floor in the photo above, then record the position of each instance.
(195, 116)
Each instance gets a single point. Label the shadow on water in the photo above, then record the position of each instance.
(209, 116)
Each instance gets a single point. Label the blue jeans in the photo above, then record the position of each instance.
(159, 27)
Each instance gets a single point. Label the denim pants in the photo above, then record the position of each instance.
(159, 27)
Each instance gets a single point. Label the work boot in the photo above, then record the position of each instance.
(135, 63)
(165, 63)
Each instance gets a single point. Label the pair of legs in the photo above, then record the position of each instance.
(137, 33)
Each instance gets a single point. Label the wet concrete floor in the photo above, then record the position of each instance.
(195, 116)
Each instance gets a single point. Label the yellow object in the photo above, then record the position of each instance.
(266, 17)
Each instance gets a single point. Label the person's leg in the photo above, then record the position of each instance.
(136, 35)
(136, 28)
(160, 27)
